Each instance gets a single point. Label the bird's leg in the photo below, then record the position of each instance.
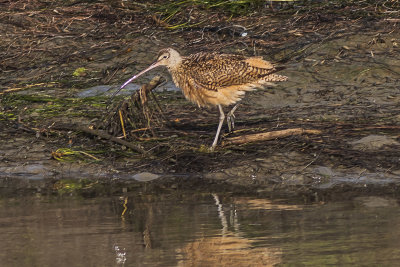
(230, 118)
(221, 121)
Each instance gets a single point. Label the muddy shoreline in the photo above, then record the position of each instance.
(344, 81)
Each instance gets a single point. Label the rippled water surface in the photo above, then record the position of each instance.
(187, 229)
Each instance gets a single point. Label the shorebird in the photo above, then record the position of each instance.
(212, 79)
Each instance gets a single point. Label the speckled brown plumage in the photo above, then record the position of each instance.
(220, 79)
(211, 79)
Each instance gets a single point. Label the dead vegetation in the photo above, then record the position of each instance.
(137, 116)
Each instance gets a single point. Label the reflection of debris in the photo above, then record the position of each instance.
(120, 255)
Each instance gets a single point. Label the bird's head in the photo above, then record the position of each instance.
(166, 57)
(169, 58)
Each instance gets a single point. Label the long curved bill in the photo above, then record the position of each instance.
(152, 66)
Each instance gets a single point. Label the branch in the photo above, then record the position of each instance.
(104, 135)
(267, 136)
(101, 134)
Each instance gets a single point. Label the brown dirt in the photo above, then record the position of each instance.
(344, 70)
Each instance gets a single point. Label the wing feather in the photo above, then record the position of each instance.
(215, 71)
(214, 79)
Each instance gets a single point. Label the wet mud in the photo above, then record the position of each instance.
(344, 80)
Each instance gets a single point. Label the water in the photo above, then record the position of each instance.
(129, 89)
(197, 229)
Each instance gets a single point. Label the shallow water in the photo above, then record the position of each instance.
(197, 229)
(108, 90)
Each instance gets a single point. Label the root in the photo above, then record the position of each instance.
(139, 112)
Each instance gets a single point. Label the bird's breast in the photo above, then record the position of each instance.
(209, 95)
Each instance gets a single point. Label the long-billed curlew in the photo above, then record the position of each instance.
(211, 79)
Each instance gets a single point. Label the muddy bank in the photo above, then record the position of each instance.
(344, 81)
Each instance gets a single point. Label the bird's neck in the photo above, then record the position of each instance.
(174, 63)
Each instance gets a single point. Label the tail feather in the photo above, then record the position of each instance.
(275, 78)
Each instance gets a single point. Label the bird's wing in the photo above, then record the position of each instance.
(214, 71)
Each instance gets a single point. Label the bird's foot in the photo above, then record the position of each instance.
(212, 147)
(230, 118)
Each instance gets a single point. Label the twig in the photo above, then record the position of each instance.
(122, 123)
(267, 136)
(8, 90)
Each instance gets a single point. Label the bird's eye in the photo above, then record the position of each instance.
(165, 56)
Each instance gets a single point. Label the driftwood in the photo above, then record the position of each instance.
(267, 136)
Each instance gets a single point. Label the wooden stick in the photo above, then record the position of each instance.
(148, 87)
(101, 134)
(111, 138)
(267, 136)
